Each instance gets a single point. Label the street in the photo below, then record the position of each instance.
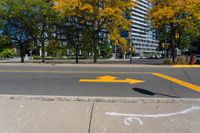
(98, 80)
(41, 98)
(100, 66)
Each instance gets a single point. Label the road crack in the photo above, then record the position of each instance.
(187, 75)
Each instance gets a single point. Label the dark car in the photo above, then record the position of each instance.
(197, 57)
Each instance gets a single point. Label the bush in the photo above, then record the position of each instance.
(168, 62)
(54, 49)
(7, 53)
(37, 57)
(181, 60)
(105, 50)
(46, 58)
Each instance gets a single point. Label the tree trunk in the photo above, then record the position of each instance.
(95, 56)
(173, 50)
(94, 50)
(173, 32)
(43, 52)
(77, 53)
(21, 52)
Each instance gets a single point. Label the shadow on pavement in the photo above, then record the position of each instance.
(150, 93)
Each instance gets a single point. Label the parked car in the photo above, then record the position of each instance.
(155, 56)
(197, 57)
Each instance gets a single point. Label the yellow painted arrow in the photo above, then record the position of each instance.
(111, 79)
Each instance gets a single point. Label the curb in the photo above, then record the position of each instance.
(98, 65)
(99, 99)
(85, 65)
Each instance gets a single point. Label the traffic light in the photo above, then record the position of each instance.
(163, 45)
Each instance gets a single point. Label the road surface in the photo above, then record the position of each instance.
(94, 80)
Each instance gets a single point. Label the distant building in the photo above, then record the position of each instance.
(142, 36)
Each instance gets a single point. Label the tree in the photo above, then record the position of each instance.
(105, 50)
(73, 30)
(25, 21)
(53, 48)
(97, 16)
(87, 43)
(193, 37)
(5, 42)
(177, 16)
(17, 21)
(46, 21)
(7, 53)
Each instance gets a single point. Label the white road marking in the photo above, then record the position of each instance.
(130, 117)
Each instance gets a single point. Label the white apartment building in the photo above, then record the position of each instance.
(142, 36)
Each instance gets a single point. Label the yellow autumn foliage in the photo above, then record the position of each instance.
(182, 12)
(101, 14)
(177, 16)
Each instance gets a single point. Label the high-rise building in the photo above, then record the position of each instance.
(142, 36)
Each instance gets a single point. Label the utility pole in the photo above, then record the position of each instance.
(115, 51)
(165, 46)
(131, 46)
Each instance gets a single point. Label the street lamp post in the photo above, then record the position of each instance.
(115, 51)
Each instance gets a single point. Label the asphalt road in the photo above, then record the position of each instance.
(65, 81)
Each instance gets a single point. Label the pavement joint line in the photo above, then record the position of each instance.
(99, 99)
(91, 117)
(179, 82)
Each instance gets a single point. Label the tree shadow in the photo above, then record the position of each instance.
(150, 93)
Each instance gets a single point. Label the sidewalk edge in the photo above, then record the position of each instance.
(99, 99)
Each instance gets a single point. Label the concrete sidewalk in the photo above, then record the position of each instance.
(49, 114)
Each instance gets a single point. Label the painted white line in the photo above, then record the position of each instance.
(130, 117)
